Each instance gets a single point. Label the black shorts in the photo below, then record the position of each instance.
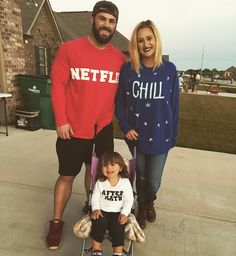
(72, 153)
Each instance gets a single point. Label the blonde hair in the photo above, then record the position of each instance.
(135, 57)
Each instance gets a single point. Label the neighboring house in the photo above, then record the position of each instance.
(41, 36)
(29, 38)
(230, 73)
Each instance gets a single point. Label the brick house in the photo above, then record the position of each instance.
(29, 38)
(30, 34)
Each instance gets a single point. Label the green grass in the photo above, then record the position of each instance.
(206, 122)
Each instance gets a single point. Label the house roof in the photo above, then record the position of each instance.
(69, 25)
(231, 69)
(76, 24)
(30, 12)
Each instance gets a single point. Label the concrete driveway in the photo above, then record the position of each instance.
(196, 204)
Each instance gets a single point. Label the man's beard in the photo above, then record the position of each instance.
(99, 38)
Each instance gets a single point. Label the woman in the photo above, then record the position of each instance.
(147, 107)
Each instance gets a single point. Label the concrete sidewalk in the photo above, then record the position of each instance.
(196, 204)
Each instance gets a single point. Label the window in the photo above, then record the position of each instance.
(43, 60)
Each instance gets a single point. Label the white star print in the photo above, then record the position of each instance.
(127, 93)
(167, 140)
(158, 125)
(137, 114)
(167, 102)
(166, 122)
(170, 90)
(168, 78)
(139, 75)
(150, 139)
(155, 73)
(148, 105)
(145, 123)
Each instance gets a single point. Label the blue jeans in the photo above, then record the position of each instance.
(149, 169)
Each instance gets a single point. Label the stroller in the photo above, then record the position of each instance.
(133, 232)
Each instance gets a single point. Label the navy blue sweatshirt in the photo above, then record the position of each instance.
(149, 103)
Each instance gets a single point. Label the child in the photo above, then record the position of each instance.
(111, 202)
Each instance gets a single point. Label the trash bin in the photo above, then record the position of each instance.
(37, 88)
(47, 119)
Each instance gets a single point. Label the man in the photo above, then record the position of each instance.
(85, 76)
(196, 82)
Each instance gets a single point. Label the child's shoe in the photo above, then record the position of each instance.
(96, 253)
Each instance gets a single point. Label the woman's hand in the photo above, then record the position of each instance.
(122, 219)
(132, 135)
(96, 214)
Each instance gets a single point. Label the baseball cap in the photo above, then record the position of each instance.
(107, 7)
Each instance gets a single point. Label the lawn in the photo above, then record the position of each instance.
(206, 122)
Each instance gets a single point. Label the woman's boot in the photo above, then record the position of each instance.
(150, 211)
(141, 215)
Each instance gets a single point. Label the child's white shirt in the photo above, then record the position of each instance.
(118, 198)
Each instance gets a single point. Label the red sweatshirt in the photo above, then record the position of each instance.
(84, 85)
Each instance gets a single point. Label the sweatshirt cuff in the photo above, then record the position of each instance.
(125, 127)
(61, 122)
(125, 212)
(95, 208)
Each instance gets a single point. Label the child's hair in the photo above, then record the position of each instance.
(111, 157)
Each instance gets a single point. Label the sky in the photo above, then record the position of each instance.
(195, 34)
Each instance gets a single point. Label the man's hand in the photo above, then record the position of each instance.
(131, 135)
(65, 131)
(122, 219)
(96, 214)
